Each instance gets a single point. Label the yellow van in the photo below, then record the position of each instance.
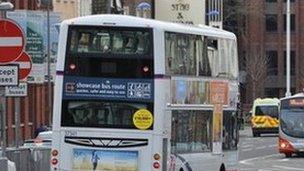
(265, 114)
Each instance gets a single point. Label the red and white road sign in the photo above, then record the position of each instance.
(25, 65)
(11, 41)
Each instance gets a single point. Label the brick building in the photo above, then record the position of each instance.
(262, 33)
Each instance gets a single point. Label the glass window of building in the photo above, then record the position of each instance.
(272, 65)
(271, 22)
(271, 1)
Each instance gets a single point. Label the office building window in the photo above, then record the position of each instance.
(271, 22)
(272, 92)
(271, 1)
(290, 1)
(292, 22)
(272, 65)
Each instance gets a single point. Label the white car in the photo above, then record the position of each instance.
(44, 139)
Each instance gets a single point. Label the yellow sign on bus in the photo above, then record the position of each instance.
(143, 119)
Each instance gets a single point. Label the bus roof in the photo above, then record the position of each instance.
(266, 101)
(294, 96)
(131, 21)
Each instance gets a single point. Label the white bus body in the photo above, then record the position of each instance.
(137, 146)
(291, 129)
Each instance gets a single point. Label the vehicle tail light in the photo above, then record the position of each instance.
(72, 66)
(145, 69)
(54, 161)
(156, 156)
(54, 153)
(156, 165)
(285, 146)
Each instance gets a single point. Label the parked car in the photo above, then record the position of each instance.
(44, 139)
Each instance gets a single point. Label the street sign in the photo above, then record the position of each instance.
(25, 65)
(16, 91)
(8, 75)
(11, 41)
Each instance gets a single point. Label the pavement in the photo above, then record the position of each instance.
(261, 154)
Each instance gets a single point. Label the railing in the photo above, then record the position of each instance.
(30, 159)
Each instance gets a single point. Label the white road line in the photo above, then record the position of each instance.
(289, 168)
(275, 145)
(10, 41)
(248, 161)
(246, 146)
(262, 147)
(247, 149)
(284, 160)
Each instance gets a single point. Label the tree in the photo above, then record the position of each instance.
(256, 67)
(254, 62)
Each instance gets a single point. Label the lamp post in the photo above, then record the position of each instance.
(4, 6)
(287, 48)
(48, 3)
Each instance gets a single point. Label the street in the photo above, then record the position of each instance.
(260, 154)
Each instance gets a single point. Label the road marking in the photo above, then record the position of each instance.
(247, 149)
(275, 145)
(284, 160)
(246, 146)
(259, 148)
(289, 168)
(247, 161)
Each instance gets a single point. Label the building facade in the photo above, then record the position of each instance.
(262, 34)
(66, 8)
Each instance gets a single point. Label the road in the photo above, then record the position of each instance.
(260, 154)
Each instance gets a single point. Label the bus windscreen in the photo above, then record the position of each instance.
(292, 117)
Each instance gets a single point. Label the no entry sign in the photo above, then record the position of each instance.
(25, 65)
(11, 41)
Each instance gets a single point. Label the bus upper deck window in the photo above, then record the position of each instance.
(83, 43)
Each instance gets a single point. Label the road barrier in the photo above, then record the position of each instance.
(30, 159)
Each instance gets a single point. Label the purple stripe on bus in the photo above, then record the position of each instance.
(161, 76)
(59, 72)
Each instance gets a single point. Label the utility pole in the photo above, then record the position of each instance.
(47, 4)
(49, 64)
(288, 49)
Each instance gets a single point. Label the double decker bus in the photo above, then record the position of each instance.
(265, 116)
(135, 94)
(291, 131)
